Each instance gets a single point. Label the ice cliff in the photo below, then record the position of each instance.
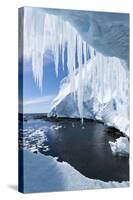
(104, 93)
(97, 46)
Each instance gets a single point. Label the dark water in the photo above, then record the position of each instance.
(85, 147)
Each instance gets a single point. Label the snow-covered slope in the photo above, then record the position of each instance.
(50, 175)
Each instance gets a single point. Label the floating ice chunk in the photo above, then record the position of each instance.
(36, 137)
(120, 147)
(45, 148)
(73, 125)
(25, 131)
(56, 127)
(33, 149)
(44, 129)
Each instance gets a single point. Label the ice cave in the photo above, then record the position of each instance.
(97, 60)
(96, 86)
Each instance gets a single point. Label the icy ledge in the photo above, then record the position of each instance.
(50, 175)
(120, 146)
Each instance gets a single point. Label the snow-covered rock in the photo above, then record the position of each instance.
(120, 146)
(45, 174)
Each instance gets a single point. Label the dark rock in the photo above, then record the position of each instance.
(114, 132)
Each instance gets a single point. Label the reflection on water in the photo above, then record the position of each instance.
(85, 147)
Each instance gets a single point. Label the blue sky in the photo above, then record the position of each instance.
(35, 101)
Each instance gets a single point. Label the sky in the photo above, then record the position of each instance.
(32, 99)
(35, 101)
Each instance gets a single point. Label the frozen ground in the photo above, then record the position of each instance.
(45, 174)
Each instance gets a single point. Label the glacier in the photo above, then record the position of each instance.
(97, 44)
(105, 96)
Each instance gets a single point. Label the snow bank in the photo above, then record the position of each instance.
(120, 147)
(45, 174)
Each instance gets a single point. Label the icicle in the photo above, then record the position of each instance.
(63, 59)
(34, 42)
(105, 77)
(80, 82)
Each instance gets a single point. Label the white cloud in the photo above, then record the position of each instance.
(44, 99)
